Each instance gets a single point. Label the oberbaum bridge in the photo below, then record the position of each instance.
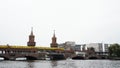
(32, 52)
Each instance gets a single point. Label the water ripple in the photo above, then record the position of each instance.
(61, 64)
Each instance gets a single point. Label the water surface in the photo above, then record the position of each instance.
(61, 64)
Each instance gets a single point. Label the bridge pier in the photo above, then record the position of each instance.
(6, 59)
(31, 58)
(56, 56)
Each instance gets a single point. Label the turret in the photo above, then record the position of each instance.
(54, 41)
(31, 41)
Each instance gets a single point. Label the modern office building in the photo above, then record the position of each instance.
(80, 47)
(68, 45)
(106, 46)
(97, 46)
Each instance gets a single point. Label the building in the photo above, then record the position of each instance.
(77, 47)
(97, 46)
(68, 45)
(80, 47)
(68, 48)
(106, 46)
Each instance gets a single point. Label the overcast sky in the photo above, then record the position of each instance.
(82, 21)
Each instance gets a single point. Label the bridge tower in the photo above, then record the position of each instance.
(31, 41)
(54, 41)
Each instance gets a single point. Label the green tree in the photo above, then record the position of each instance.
(114, 50)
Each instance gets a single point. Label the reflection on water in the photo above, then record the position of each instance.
(30, 64)
(61, 64)
(54, 64)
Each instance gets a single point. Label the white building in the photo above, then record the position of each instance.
(97, 46)
(106, 46)
(70, 43)
(80, 47)
(77, 47)
(67, 45)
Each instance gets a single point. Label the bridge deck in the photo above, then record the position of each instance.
(29, 47)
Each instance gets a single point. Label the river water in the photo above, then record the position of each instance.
(61, 64)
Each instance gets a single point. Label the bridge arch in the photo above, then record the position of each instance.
(103, 57)
(78, 57)
(93, 57)
(27, 57)
(31, 58)
(4, 57)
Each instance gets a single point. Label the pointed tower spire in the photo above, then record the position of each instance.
(54, 40)
(31, 30)
(54, 34)
(31, 41)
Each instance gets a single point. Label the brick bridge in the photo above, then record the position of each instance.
(30, 53)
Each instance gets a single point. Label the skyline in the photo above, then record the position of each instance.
(88, 21)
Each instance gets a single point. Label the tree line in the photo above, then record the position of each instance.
(114, 50)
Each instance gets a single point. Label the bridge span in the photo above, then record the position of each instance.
(29, 52)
